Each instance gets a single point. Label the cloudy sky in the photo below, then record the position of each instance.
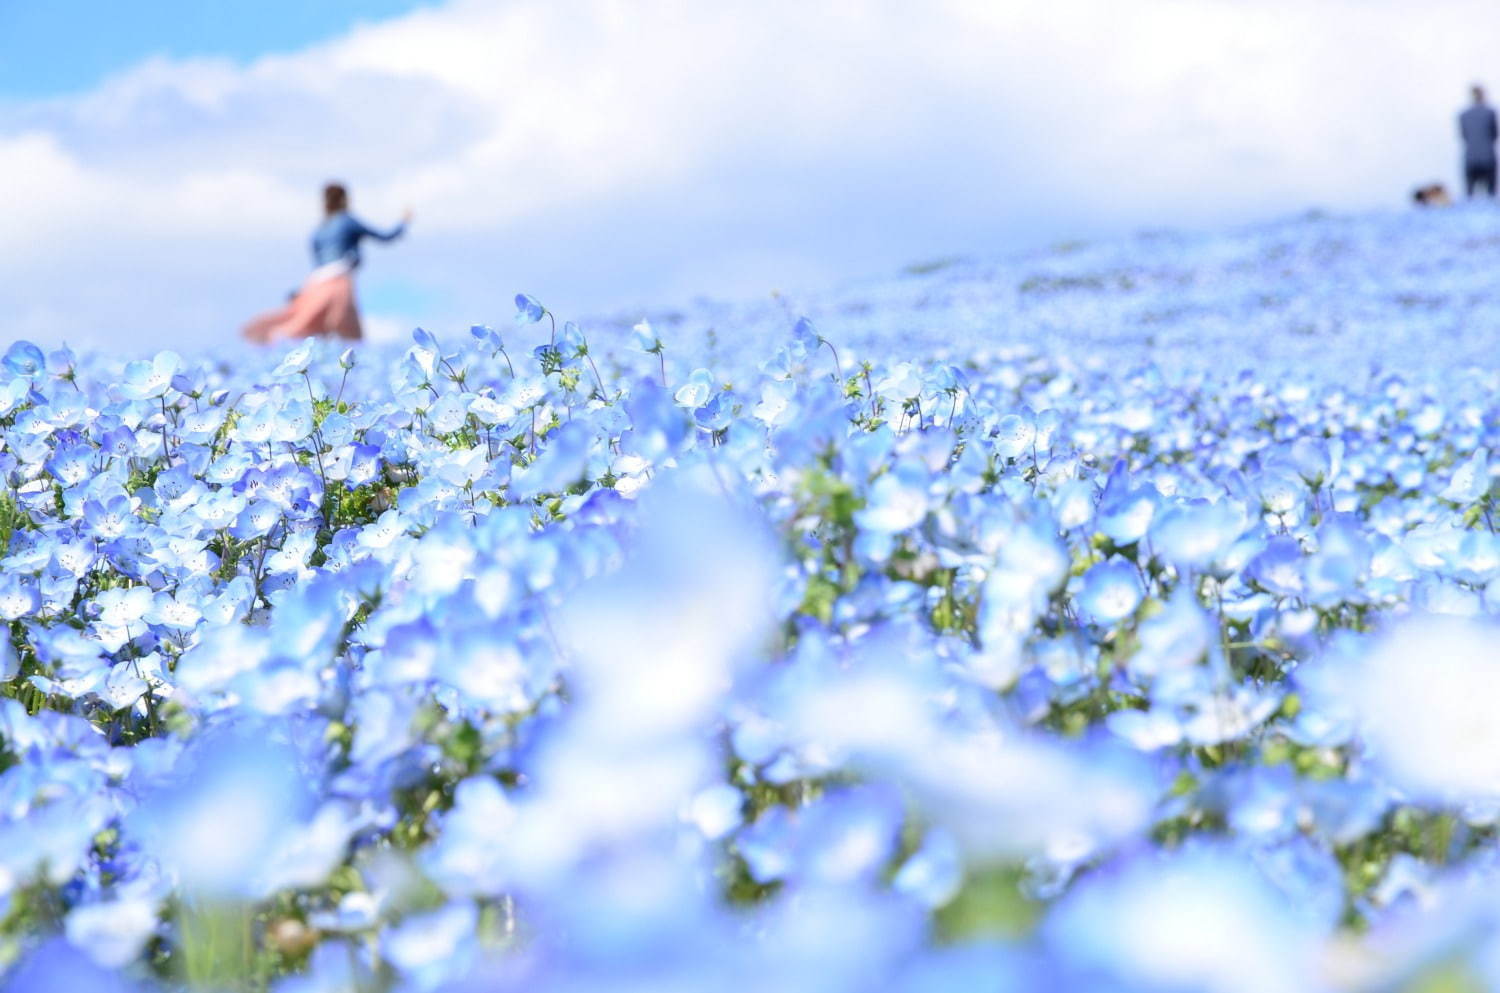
(161, 168)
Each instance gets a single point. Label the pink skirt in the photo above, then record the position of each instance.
(324, 306)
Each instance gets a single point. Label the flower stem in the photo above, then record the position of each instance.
(837, 365)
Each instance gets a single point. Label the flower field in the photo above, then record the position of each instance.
(1113, 618)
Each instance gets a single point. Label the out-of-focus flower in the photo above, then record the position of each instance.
(1111, 592)
(111, 933)
(1470, 481)
(1199, 920)
(1424, 699)
(23, 358)
(218, 819)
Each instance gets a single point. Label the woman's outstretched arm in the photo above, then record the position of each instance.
(391, 235)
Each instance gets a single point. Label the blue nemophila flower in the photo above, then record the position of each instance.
(120, 608)
(1014, 436)
(1176, 638)
(223, 812)
(119, 441)
(656, 425)
(72, 465)
(23, 358)
(1281, 494)
(847, 835)
(1147, 730)
(1470, 480)
(1191, 536)
(294, 421)
(145, 380)
(1128, 926)
(529, 310)
(63, 362)
(58, 964)
(563, 462)
(297, 360)
(779, 365)
(896, 501)
(571, 341)
(13, 394)
(525, 392)
(18, 597)
(429, 948)
(384, 530)
(646, 338)
(1125, 511)
(465, 860)
(337, 429)
(257, 520)
(695, 392)
(257, 426)
(1111, 591)
(766, 846)
(1429, 725)
(1214, 715)
(1316, 459)
(1073, 504)
(901, 382)
(716, 811)
(199, 426)
(448, 414)
(778, 406)
(190, 383)
(293, 554)
(1279, 567)
(128, 681)
(486, 336)
(1335, 572)
(934, 873)
(179, 611)
(423, 356)
(108, 518)
(616, 628)
(113, 932)
(805, 338)
(178, 490)
(718, 413)
(362, 464)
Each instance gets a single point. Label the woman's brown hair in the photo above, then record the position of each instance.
(335, 198)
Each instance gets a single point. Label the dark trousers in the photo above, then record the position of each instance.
(1480, 175)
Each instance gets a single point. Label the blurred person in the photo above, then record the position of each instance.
(1476, 126)
(325, 303)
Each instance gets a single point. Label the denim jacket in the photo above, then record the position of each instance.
(337, 239)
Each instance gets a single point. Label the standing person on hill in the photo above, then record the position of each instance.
(325, 304)
(1476, 126)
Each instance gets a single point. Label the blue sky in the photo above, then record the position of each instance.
(162, 165)
(51, 47)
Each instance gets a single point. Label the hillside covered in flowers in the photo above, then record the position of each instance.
(1111, 618)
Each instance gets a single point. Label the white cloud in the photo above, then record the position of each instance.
(600, 153)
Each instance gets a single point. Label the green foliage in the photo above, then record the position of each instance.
(12, 518)
(990, 905)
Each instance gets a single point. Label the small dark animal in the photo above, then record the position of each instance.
(1432, 195)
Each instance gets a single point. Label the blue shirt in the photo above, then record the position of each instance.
(1477, 128)
(337, 238)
